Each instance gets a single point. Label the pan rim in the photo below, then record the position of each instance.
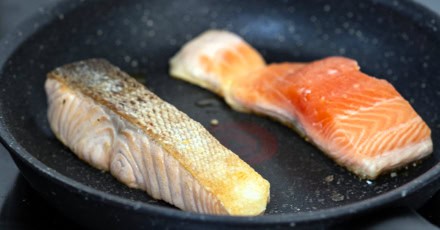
(14, 39)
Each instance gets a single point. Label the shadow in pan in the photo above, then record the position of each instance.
(24, 209)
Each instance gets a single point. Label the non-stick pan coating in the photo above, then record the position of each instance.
(395, 42)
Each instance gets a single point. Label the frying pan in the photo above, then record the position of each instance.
(395, 40)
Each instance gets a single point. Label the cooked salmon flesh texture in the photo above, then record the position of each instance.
(360, 121)
(116, 124)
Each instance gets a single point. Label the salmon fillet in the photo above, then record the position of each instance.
(115, 124)
(361, 122)
(214, 59)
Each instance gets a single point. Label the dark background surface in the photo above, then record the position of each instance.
(22, 208)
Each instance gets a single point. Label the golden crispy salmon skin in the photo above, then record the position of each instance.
(116, 124)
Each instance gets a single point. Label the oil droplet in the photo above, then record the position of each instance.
(214, 122)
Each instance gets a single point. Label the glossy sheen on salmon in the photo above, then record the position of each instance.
(114, 123)
(361, 122)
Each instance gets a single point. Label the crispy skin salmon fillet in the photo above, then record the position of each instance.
(114, 123)
(360, 121)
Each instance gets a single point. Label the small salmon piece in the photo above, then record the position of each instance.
(361, 122)
(115, 124)
(213, 59)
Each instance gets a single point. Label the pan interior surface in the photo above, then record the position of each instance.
(141, 36)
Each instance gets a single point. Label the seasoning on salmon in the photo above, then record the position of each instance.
(360, 121)
(116, 124)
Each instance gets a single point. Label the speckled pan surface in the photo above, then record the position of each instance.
(395, 40)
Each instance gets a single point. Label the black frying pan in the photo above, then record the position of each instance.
(396, 40)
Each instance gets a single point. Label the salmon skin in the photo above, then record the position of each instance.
(116, 124)
(359, 121)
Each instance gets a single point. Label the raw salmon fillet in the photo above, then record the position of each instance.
(361, 122)
(114, 123)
